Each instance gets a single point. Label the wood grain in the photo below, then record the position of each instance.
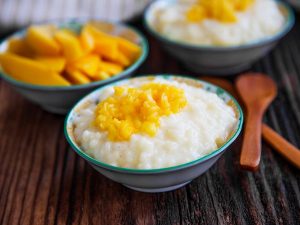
(42, 181)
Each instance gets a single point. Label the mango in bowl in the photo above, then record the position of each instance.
(54, 65)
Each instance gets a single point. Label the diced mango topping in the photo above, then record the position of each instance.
(221, 10)
(66, 57)
(138, 110)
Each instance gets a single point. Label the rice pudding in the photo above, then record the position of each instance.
(217, 22)
(149, 123)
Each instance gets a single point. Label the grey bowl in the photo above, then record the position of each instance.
(219, 60)
(59, 99)
(156, 180)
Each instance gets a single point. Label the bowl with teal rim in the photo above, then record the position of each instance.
(161, 179)
(218, 60)
(59, 99)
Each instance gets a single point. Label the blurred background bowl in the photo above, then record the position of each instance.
(295, 4)
(156, 180)
(219, 60)
(58, 99)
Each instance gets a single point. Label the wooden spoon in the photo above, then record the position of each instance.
(279, 144)
(257, 92)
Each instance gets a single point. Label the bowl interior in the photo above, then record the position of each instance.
(93, 96)
(284, 7)
(75, 25)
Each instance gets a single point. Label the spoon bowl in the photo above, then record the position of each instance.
(256, 88)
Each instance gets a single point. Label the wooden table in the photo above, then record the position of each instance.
(42, 181)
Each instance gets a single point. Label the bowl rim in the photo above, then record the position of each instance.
(96, 162)
(143, 43)
(290, 21)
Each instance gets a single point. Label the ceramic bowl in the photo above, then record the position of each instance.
(163, 179)
(59, 99)
(218, 60)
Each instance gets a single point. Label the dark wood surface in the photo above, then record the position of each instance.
(42, 181)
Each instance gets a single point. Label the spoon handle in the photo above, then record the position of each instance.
(282, 146)
(251, 148)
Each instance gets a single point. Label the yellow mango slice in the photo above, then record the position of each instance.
(131, 50)
(56, 64)
(30, 71)
(87, 40)
(101, 75)
(107, 48)
(95, 31)
(70, 45)
(19, 47)
(88, 64)
(122, 59)
(40, 39)
(77, 77)
(110, 68)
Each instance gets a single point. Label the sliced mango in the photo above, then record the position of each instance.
(77, 77)
(95, 31)
(122, 60)
(107, 48)
(110, 68)
(70, 44)
(56, 64)
(87, 40)
(129, 49)
(40, 39)
(30, 71)
(88, 64)
(101, 75)
(19, 47)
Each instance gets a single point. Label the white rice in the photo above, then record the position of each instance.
(204, 123)
(259, 21)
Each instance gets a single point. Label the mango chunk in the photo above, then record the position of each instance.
(87, 40)
(242, 5)
(19, 47)
(88, 64)
(70, 44)
(122, 59)
(110, 68)
(40, 39)
(101, 75)
(130, 50)
(56, 64)
(77, 77)
(30, 71)
(137, 110)
(95, 32)
(196, 14)
(107, 48)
